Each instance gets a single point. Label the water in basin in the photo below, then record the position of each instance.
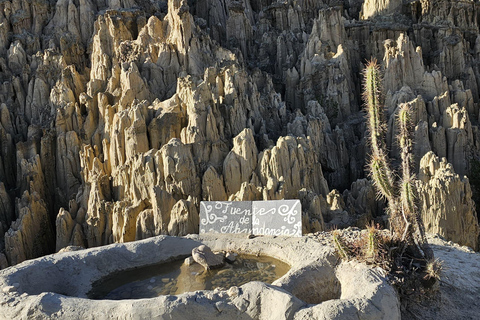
(176, 277)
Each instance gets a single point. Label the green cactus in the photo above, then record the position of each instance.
(382, 176)
(380, 171)
(340, 246)
(371, 95)
(403, 214)
(372, 243)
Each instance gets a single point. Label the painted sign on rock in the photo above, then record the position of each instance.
(274, 217)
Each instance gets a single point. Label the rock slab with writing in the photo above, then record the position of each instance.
(275, 217)
(226, 217)
(204, 256)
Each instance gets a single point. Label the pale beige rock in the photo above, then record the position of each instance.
(178, 174)
(31, 235)
(312, 206)
(98, 219)
(124, 220)
(184, 218)
(64, 229)
(293, 163)
(248, 192)
(68, 163)
(445, 201)
(128, 108)
(240, 162)
(213, 188)
(373, 8)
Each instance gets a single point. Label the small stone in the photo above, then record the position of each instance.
(242, 305)
(220, 305)
(231, 257)
(152, 280)
(9, 289)
(189, 261)
(233, 292)
(149, 287)
(165, 280)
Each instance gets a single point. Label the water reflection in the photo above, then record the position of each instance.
(176, 278)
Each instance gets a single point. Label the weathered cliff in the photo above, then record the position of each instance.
(118, 117)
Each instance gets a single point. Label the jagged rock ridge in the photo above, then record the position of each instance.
(118, 117)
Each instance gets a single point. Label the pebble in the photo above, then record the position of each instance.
(231, 257)
(9, 289)
(233, 292)
(189, 261)
(152, 280)
(221, 305)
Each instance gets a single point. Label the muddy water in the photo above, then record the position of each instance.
(176, 277)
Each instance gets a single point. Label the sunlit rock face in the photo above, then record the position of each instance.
(118, 117)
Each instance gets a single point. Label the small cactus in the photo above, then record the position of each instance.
(340, 245)
(372, 242)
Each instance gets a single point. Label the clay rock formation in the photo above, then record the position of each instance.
(445, 202)
(118, 117)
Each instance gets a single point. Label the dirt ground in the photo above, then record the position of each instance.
(458, 296)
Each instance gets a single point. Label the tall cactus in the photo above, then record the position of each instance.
(404, 217)
(380, 171)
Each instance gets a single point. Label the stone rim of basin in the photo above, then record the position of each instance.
(317, 283)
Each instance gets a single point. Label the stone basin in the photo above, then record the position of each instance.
(317, 285)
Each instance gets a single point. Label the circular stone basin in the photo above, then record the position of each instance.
(317, 285)
(176, 278)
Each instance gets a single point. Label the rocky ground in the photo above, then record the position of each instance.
(119, 117)
(27, 290)
(318, 285)
(457, 295)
